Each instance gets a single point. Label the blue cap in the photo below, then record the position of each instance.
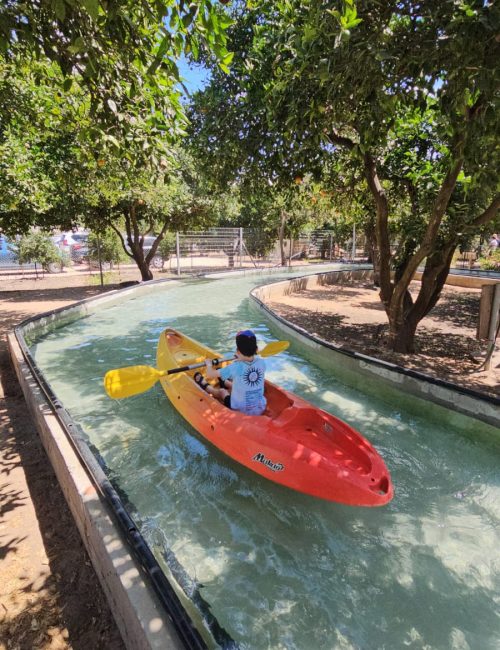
(247, 333)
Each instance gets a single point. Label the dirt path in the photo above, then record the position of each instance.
(50, 597)
(353, 317)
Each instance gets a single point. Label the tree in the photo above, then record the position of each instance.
(408, 92)
(167, 245)
(38, 248)
(86, 85)
(228, 135)
(53, 175)
(135, 203)
(106, 247)
(123, 54)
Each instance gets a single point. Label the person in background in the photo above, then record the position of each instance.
(241, 382)
(493, 243)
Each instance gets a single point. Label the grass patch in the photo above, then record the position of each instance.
(108, 277)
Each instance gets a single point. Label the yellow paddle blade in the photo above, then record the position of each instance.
(125, 382)
(275, 347)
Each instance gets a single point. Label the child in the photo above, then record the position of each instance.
(241, 382)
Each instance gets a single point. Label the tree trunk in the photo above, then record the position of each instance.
(402, 334)
(281, 235)
(383, 246)
(404, 318)
(136, 241)
(141, 260)
(436, 271)
(146, 273)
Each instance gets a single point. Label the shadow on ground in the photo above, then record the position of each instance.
(59, 605)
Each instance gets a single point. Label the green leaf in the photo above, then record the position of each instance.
(78, 45)
(60, 9)
(225, 21)
(92, 7)
(164, 45)
(188, 18)
(195, 47)
(353, 23)
(113, 140)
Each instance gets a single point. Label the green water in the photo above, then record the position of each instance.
(277, 568)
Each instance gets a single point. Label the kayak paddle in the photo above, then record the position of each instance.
(125, 382)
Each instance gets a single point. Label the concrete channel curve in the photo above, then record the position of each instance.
(148, 606)
(354, 365)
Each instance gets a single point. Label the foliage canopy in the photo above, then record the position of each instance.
(122, 53)
(400, 98)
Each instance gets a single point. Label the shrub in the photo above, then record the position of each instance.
(109, 245)
(38, 248)
(167, 245)
(490, 263)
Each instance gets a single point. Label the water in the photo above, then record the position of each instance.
(280, 569)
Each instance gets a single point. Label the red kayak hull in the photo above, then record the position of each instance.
(293, 443)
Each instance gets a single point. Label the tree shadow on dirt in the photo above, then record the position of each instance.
(66, 606)
(56, 294)
(460, 309)
(444, 355)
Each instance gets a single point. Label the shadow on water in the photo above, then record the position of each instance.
(277, 567)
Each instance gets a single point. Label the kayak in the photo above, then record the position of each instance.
(292, 443)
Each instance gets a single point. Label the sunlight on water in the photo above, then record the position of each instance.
(280, 569)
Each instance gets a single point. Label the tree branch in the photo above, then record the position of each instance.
(121, 239)
(488, 215)
(341, 140)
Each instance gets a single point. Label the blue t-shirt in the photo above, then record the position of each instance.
(247, 393)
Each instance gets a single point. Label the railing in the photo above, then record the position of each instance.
(221, 249)
(238, 248)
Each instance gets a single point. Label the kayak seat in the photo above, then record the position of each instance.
(277, 402)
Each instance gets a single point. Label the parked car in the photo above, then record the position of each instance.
(74, 244)
(80, 249)
(7, 252)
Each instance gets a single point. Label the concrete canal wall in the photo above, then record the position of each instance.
(372, 375)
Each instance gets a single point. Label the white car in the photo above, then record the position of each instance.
(75, 244)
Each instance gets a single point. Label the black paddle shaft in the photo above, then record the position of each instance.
(215, 363)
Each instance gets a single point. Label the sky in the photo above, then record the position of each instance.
(195, 76)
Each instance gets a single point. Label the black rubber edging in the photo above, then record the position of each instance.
(182, 622)
(372, 360)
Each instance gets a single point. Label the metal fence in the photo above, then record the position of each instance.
(218, 249)
(237, 248)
